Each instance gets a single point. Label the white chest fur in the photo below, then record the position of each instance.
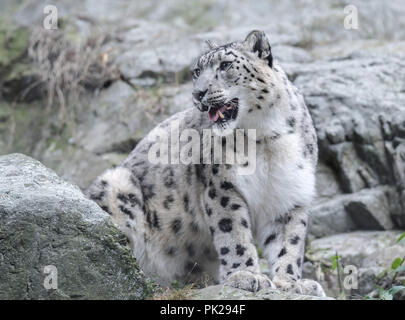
(283, 178)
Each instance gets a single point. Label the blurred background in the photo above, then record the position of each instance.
(79, 98)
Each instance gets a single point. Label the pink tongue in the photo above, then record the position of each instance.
(215, 117)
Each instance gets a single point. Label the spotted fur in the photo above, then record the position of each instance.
(184, 221)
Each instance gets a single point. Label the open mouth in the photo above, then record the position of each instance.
(225, 112)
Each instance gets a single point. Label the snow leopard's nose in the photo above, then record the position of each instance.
(199, 95)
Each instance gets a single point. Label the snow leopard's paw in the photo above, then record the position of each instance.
(301, 286)
(250, 281)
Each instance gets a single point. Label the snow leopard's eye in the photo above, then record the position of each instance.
(196, 73)
(225, 65)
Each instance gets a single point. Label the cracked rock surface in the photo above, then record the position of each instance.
(45, 221)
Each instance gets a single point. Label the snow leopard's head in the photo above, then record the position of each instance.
(233, 79)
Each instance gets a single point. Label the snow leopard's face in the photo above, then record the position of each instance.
(226, 79)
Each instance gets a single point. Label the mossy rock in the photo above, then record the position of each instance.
(13, 44)
(45, 221)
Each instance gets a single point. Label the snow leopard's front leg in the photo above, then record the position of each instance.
(290, 246)
(228, 220)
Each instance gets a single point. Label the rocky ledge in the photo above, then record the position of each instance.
(221, 292)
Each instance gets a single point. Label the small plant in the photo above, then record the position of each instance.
(335, 261)
(260, 252)
(65, 67)
(337, 265)
(397, 266)
(177, 292)
(384, 294)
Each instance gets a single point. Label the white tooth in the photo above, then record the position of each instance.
(220, 114)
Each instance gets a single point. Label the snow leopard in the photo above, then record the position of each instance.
(196, 220)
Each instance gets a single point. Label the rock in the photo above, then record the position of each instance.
(161, 60)
(45, 221)
(287, 53)
(119, 115)
(328, 216)
(357, 105)
(362, 245)
(222, 292)
(371, 208)
(20, 77)
(5, 115)
(19, 127)
(326, 181)
(110, 126)
(16, 74)
(67, 160)
(368, 209)
(371, 253)
(13, 44)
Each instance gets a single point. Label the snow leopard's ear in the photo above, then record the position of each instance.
(256, 41)
(211, 44)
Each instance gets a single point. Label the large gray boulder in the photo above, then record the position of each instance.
(45, 221)
(358, 107)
